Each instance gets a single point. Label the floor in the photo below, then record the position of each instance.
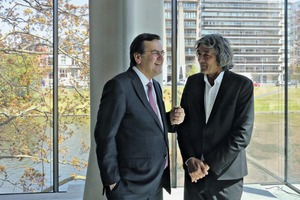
(251, 192)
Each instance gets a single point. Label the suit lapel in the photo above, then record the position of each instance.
(139, 88)
(220, 94)
(161, 110)
(160, 103)
(197, 99)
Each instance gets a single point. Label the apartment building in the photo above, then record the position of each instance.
(294, 41)
(254, 28)
(188, 31)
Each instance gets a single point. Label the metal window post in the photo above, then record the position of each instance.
(174, 89)
(55, 98)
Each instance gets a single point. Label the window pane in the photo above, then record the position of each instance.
(26, 96)
(26, 86)
(294, 96)
(74, 98)
(256, 32)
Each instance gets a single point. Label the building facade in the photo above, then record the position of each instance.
(188, 31)
(254, 28)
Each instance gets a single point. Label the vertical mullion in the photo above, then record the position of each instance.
(55, 98)
(286, 74)
(174, 88)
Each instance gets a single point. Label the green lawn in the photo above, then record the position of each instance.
(271, 99)
(268, 99)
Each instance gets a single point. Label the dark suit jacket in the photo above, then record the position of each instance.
(223, 139)
(131, 143)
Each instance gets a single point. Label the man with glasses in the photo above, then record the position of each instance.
(132, 127)
(218, 124)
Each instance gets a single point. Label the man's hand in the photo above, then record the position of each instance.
(177, 115)
(197, 169)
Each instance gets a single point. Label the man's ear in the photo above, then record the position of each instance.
(137, 58)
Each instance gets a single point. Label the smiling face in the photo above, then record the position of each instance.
(151, 61)
(207, 60)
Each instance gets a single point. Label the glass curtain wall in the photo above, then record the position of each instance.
(73, 91)
(26, 94)
(293, 88)
(256, 31)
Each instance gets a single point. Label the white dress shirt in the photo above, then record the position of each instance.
(211, 93)
(145, 81)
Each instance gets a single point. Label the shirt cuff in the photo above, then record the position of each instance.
(187, 161)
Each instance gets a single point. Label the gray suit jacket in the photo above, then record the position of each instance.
(223, 139)
(131, 143)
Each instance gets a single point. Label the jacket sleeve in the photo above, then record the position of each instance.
(184, 133)
(110, 114)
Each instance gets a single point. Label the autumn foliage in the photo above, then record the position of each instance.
(26, 101)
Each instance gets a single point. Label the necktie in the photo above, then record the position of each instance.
(150, 96)
(152, 103)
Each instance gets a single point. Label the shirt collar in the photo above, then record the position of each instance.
(218, 80)
(142, 77)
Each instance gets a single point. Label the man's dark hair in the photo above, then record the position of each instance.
(137, 45)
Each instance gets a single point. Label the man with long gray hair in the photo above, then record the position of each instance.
(219, 114)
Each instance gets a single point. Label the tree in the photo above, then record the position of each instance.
(25, 102)
(191, 69)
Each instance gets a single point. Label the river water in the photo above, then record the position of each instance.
(73, 149)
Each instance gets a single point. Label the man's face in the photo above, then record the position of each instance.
(207, 60)
(151, 61)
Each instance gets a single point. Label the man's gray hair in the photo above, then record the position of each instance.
(221, 47)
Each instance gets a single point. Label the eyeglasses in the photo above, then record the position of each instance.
(158, 53)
